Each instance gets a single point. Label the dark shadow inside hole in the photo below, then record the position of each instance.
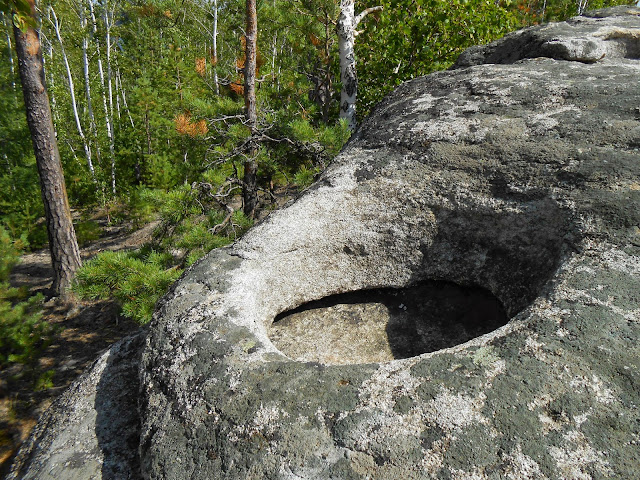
(385, 324)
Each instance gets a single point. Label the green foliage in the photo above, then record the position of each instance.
(44, 381)
(416, 37)
(333, 137)
(23, 332)
(9, 253)
(539, 11)
(304, 177)
(21, 13)
(190, 226)
(87, 231)
(135, 279)
(20, 201)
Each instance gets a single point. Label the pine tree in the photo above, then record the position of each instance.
(65, 254)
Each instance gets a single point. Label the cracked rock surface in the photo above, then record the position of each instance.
(517, 172)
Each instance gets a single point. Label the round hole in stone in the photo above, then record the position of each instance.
(379, 325)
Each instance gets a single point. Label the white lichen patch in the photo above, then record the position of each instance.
(595, 386)
(266, 421)
(379, 427)
(585, 298)
(475, 474)
(451, 129)
(424, 102)
(540, 123)
(519, 466)
(486, 357)
(267, 418)
(575, 455)
(551, 424)
(433, 459)
(533, 347)
(580, 419)
(548, 423)
(620, 261)
(546, 309)
(390, 382)
(453, 412)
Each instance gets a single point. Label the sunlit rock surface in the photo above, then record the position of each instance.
(517, 175)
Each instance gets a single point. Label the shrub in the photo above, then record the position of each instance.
(135, 279)
(87, 231)
(304, 177)
(23, 332)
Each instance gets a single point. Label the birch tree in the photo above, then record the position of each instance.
(87, 78)
(74, 105)
(348, 22)
(108, 112)
(6, 26)
(108, 25)
(249, 190)
(214, 40)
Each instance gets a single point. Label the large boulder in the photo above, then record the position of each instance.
(494, 208)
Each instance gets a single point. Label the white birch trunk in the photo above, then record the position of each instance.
(74, 104)
(124, 99)
(582, 5)
(215, 47)
(85, 65)
(87, 79)
(346, 28)
(346, 43)
(107, 116)
(107, 26)
(11, 65)
(51, 83)
(118, 88)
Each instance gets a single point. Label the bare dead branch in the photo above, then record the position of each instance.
(364, 13)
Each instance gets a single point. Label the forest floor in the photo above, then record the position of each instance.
(85, 329)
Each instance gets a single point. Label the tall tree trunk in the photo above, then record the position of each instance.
(7, 27)
(346, 28)
(107, 117)
(51, 81)
(214, 36)
(117, 82)
(72, 94)
(107, 25)
(85, 71)
(346, 43)
(124, 99)
(65, 255)
(326, 86)
(250, 190)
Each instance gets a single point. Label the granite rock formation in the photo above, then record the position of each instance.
(511, 181)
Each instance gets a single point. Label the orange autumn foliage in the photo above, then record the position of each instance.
(237, 87)
(201, 66)
(315, 41)
(184, 125)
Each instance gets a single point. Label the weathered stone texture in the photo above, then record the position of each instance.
(518, 171)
